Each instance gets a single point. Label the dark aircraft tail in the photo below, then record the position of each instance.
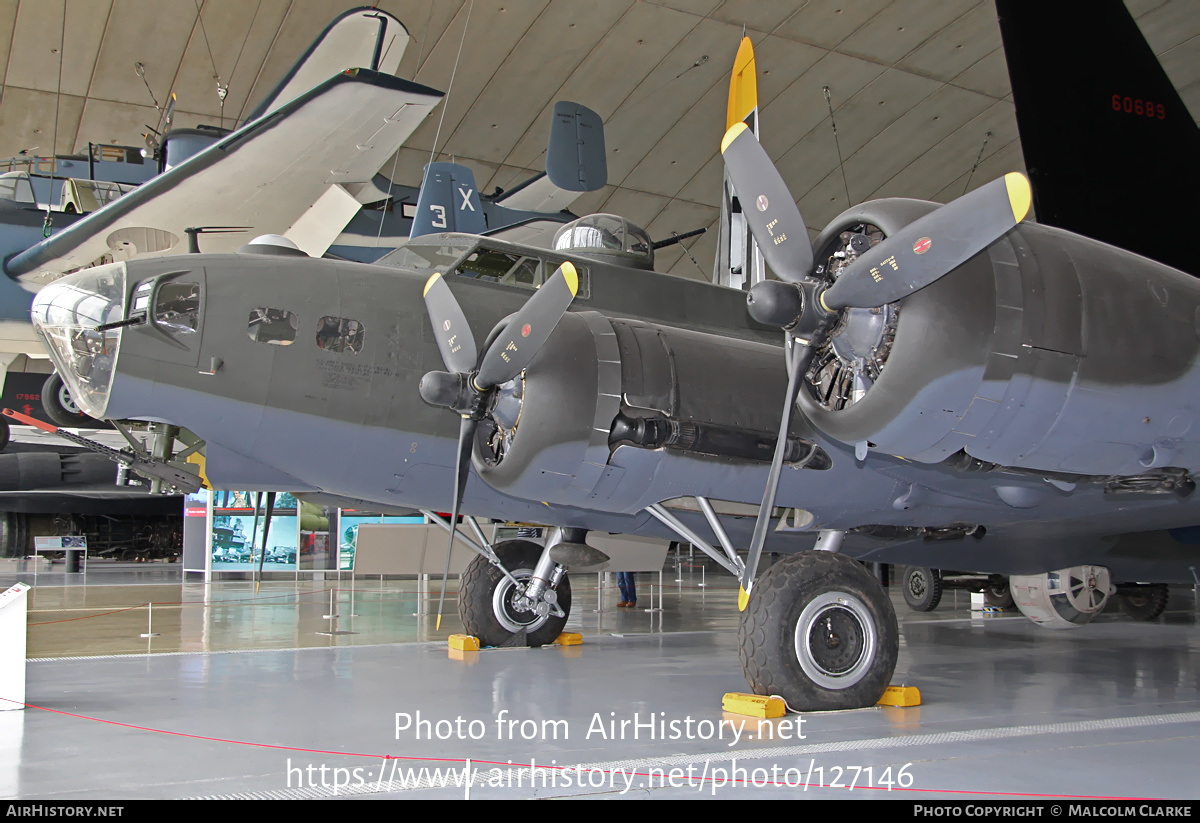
(1111, 150)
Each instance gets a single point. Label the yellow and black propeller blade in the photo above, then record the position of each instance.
(450, 328)
(528, 329)
(928, 249)
(466, 438)
(507, 356)
(767, 205)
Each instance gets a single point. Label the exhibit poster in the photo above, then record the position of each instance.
(238, 525)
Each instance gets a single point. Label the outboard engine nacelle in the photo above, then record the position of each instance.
(1046, 351)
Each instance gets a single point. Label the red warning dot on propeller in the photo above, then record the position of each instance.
(922, 245)
(525, 330)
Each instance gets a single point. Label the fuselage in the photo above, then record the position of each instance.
(301, 375)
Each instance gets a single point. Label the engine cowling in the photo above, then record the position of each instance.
(1046, 351)
(599, 384)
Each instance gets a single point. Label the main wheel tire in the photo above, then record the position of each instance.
(1145, 602)
(998, 596)
(486, 600)
(922, 588)
(58, 405)
(820, 632)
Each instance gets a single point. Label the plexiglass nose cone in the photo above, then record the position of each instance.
(68, 314)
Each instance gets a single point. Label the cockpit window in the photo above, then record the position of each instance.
(276, 327)
(502, 267)
(430, 256)
(177, 307)
(340, 335)
(512, 269)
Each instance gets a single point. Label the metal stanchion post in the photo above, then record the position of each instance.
(422, 593)
(150, 621)
(660, 594)
(599, 593)
(332, 617)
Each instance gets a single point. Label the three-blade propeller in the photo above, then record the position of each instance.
(907, 261)
(465, 388)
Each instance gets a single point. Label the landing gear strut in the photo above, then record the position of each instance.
(820, 632)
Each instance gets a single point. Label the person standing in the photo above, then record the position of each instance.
(625, 580)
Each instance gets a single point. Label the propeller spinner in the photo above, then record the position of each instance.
(807, 308)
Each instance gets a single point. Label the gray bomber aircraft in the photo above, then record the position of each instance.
(970, 390)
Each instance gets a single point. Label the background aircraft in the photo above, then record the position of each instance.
(270, 176)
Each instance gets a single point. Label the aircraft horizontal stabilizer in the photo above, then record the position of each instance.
(267, 175)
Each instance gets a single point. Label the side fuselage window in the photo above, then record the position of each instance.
(340, 335)
(276, 327)
(177, 307)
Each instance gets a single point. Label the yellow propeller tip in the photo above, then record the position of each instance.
(1020, 196)
(732, 134)
(439, 623)
(571, 276)
(743, 599)
(429, 283)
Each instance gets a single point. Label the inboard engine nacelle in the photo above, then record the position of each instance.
(603, 384)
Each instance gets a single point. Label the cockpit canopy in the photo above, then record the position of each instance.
(607, 236)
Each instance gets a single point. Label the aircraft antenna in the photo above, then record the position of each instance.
(62, 41)
(833, 125)
(986, 136)
(222, 90)
(454, 71)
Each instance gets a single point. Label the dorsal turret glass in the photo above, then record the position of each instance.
(607, 236)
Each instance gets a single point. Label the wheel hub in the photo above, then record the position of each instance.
(835, 640)
(66, 401)
(916, 586)
(513, 609)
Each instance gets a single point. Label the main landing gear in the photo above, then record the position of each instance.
(533, 599)
(820, 632)
(816, 629)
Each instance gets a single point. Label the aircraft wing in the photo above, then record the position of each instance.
(358, 37)
(281, 174)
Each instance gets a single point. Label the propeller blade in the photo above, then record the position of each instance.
(266, 531)
(524, 336)
(800, 361)
(929, 248)
(767, 205)
(466, 438)
(454, 337)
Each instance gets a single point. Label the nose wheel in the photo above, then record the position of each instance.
(60, 406)
(819, 631)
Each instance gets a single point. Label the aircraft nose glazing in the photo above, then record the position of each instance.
(68, 314)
